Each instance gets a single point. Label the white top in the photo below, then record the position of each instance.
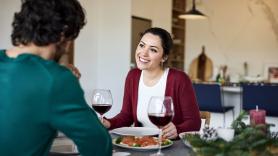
(145, 93)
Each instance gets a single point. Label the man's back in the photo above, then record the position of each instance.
(39, 97)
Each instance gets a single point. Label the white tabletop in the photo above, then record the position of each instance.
(236, 89)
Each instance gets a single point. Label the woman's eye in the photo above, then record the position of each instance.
(141, 45)
(154, 50)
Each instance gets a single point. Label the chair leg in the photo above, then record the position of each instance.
(224, 121)
(233, 114)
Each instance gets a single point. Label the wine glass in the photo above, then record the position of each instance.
(102, 101)
(160, 112)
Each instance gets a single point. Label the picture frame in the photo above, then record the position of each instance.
(271, 72)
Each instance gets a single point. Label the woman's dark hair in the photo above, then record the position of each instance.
(47, 21)
(165, 37)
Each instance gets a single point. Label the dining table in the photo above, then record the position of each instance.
(178, 148)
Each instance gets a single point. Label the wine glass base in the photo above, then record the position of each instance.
(157, 154)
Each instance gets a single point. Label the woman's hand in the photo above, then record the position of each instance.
(170, 131)
(74, 70)
(106, 123)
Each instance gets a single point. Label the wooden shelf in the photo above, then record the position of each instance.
(178, 27)
(176, 57)
(179, 62)
(178, 10)
(179, 44)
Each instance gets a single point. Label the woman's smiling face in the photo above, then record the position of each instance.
(149, 52)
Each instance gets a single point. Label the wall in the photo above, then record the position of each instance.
(236, 31)
(7, 9)
(102, 50)
(156, 10)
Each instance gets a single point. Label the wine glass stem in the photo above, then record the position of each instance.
(159, 141)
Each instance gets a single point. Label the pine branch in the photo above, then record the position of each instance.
(248, 141)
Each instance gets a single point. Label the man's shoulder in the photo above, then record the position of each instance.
(52, 68)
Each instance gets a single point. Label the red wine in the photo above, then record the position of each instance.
(101, 108)
(160, 119)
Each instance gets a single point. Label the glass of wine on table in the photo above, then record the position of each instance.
(160, 112)
(102, 101)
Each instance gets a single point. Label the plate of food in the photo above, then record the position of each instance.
(185, 136)
(136, 131)
(141, 143)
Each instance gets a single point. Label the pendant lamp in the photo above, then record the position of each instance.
(193, 13)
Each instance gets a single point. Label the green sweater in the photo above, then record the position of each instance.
(39, 97)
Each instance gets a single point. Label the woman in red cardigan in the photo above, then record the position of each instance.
(151, 78)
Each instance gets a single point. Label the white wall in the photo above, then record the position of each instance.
(159, 11)
(7, 9)
(102, 50)
(236, 31)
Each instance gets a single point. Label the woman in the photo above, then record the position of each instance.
(151, 78)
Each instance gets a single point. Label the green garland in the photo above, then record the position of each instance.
(248, 141)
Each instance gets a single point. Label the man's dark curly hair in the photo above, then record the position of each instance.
(43, 22)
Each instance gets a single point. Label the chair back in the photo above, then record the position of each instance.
(209, 97)
(265, 96)
(206, 116)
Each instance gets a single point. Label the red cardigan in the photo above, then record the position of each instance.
(179, 87)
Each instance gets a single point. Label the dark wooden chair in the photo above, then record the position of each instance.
(265, 96)
(210, 98)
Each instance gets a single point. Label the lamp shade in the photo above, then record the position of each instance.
(193, 13)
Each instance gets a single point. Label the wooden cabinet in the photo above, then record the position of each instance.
(176, 57)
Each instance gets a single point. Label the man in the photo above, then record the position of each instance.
(38, 97)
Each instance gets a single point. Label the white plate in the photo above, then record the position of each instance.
(152, 147)
(181, 135)
(136, 131)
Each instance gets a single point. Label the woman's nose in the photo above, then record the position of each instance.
(145, 51)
